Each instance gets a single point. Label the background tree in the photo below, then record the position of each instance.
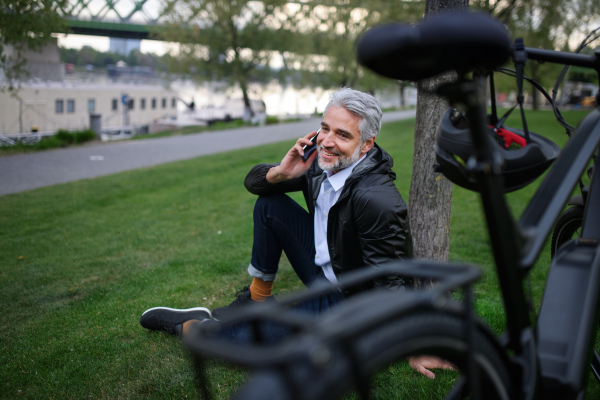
(25, 25)
(548, 24)
(333, 28)
(228, 41)
(430, 197)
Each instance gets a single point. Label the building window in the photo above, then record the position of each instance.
(143, 104)
(70, 106)
(91, 105)
(59, 106)
(115, 104)
(164, 102)
(153, 103)
(131, 104)
(173, 102)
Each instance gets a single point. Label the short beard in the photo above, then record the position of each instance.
(341, 163)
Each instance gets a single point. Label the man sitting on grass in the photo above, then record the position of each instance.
(356, 217)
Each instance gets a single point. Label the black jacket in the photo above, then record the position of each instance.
(367, 226)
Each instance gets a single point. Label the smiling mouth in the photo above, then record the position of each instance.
(328, 153)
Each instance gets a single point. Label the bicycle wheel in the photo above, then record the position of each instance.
(441, 335)
(567, 227)
(429, 333)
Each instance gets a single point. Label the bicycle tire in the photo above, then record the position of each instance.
(431, 333)
(567, 227)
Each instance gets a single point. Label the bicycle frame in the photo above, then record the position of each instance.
(516, 246)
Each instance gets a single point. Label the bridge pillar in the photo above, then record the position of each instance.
(43, 64)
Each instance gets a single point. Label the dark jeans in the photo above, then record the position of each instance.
(281, 224)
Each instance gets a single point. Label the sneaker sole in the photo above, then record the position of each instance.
(181, 309)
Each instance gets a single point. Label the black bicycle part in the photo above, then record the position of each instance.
(519, 244)
(430, 333)
(520, 59)
(596, 365)
(568, 320)
(559, 118)
(567, 227)
(516, 246)
(548, 202)
(340, 330)
(494, 113)
(442, 43)
(584, 43)
(433, 333)
(447, 277)
(520, 167)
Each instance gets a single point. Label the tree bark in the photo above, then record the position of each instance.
(430, 196)
(248, 112)
(402, 85)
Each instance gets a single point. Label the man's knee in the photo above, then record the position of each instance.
(269, 199)
(264, 203)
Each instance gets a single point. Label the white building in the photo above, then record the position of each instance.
(124, 46)
(50, 106)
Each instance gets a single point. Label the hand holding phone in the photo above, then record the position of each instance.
(310, 148)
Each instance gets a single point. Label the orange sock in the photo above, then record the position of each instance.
(260, 290)
(187, 325)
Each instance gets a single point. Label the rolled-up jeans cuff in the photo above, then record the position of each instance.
(260, 275)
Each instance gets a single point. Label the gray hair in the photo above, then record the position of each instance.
(362, 105)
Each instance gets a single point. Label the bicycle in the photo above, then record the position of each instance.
(323, 359)
(569, 223)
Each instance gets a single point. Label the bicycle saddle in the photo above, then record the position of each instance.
(460, 41)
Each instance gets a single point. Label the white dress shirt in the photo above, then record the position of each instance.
(330, 191)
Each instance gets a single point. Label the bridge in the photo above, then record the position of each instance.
(129, 19)
(133, 19)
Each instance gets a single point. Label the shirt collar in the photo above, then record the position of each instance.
(338, 180)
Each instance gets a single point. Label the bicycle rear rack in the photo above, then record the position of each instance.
(316, 341)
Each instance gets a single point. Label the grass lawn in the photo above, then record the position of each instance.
(81, 261)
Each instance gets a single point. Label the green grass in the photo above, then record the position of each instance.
(81, 261)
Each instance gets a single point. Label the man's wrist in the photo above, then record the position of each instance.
(274, 176)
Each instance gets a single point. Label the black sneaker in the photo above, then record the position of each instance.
(170, 320)
(242, 298)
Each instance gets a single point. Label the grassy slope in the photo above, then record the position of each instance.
(81, 261)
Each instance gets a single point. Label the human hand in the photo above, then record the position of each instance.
(292, 165)
(423, 364)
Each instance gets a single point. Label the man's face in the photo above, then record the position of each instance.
(339, 144)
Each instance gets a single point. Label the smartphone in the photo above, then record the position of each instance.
(309, 148)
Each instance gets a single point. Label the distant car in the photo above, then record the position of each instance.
(232, 109)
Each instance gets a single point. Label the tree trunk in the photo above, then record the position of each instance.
(248, 112)
(402, 85)
(430, 197)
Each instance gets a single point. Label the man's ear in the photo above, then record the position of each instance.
(366, 146)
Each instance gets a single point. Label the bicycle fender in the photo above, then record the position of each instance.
(576, 201)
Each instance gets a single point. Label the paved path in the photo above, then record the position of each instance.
(29, 171)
